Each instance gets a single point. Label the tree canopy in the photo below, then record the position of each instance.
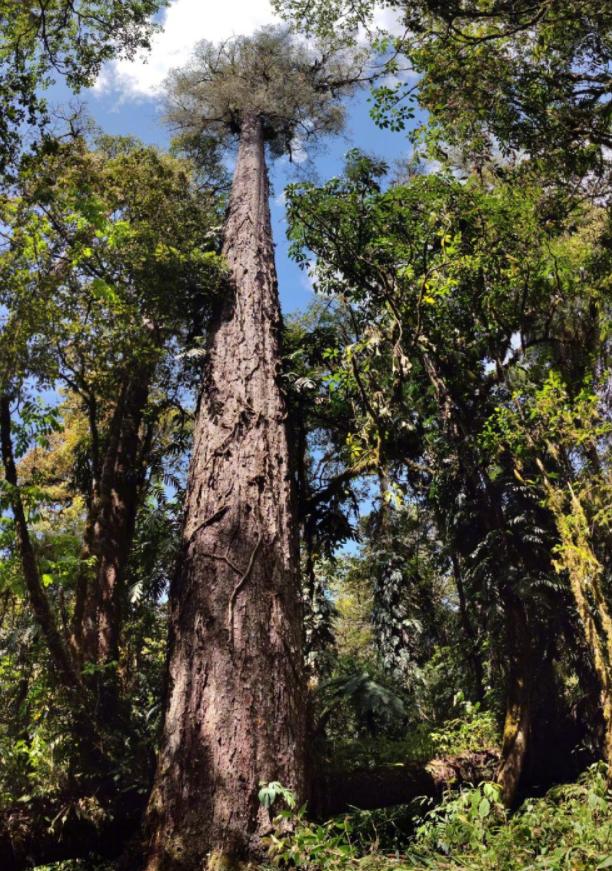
(293, 87)
(70, 38)
(521, 77)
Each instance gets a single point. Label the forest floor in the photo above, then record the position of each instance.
(568, 829)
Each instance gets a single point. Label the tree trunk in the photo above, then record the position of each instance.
(585, 572)
(235, 711)
(518, 717)
(472, 652)
(110, 532)
(87, 738)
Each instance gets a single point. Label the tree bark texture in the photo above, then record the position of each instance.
(235, 709)
(110, 531)
(518, 719)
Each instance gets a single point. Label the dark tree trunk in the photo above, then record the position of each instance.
(110, 532)
(85, 730)
(520, 681)
(472, 651)
(520, 652)
(235, 711)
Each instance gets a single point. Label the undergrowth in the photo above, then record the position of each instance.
(569, 829)
(474, 730)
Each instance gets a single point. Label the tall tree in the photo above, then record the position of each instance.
(235, 711)
(523, 87)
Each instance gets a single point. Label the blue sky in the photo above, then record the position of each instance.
(127, 100)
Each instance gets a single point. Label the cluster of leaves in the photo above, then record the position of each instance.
(569, 828)
(520, 77)
(110, 270)
(458, 295)
(210, 98)
(70, 38)
(474, 729)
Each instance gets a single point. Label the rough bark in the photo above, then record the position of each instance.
(585, 573)
(39, 601)
(472, 653)
(235, 711)
(25, 838)
(110, 530)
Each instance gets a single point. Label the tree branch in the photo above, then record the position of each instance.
(36, 592)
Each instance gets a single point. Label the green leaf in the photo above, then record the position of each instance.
(103, 291)
(484, 808)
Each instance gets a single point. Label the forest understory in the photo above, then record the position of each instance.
(331, 588)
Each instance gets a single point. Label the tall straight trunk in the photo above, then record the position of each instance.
(87, 737)
(235, 708)
(578, 558)
(472, 652)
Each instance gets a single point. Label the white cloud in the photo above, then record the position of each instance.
(185, 23)
(389, 20)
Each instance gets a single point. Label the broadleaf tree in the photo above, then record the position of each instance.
(520, 77)
(72, 39)
(463, 303)
(98, 302)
